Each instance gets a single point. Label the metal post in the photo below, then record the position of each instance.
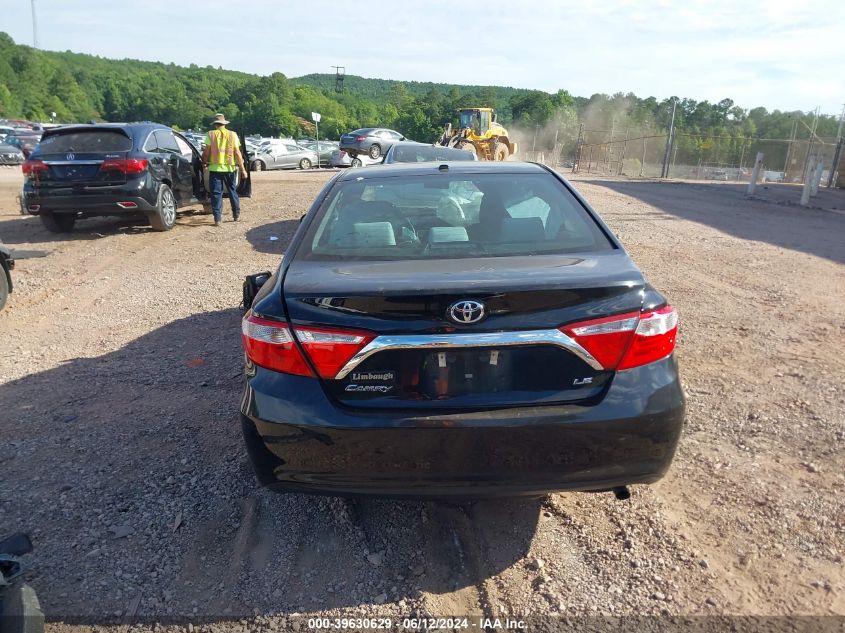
(834, 166)
(590, 159)
(665, 171)
(317, 133)
(642, 164)
(622, 158)
(579, 148)
(755, 173)
(789, 149)
(805, 193)
(841, 121)
(556, 154)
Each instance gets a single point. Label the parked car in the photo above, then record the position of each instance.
(411, 152)
(26, 143)
(10, 155)
(341, 158)
(114, 169)
(511, 347)
(372, 141)
(283, 156)
(7, 264)
(326, 149)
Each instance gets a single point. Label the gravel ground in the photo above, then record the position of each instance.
(120, 377)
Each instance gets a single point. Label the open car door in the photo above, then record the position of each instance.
(244, 184)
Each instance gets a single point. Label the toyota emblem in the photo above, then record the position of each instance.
(71, 156)
(466, 312)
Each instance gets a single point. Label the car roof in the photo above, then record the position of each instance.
(141, 125)
(432, 167)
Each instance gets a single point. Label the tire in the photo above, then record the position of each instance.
(356, 162)
(258, 165)
(305, 164)
(58, 222)
(500, 151)
(469, 147)
(164, 216)
(374, 151)
(4, 287)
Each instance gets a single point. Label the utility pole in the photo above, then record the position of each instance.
(841, 121)
(669, 139)
(578, 149)
(34, 26)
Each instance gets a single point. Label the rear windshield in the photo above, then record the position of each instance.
(440, 216)
(424, 153)
(86, 141)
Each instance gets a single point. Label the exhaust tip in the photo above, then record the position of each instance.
(34, 207)
(622, 493)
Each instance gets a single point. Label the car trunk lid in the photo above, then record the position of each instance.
(514, 355)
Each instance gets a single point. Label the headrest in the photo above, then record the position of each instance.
(522, 230)
(440, 234)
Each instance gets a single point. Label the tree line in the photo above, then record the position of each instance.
(35, 84)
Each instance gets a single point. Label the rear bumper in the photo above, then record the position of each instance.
(299, 441)
(91, 200)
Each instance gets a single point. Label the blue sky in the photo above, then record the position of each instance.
(785, 55)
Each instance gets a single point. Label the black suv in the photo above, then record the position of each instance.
(6, 265)
(80, 171)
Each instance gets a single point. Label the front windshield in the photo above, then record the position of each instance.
(440, 216)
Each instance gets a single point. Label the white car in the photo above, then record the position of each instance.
(340, 158)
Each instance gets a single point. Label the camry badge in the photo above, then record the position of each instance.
(466, 312)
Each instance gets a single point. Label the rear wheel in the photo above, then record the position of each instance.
(58, 222)
(500, 151)
(375, 150)
(305, 164)
(4, 287)
(258, 166)
(356, 162)
(163, 218)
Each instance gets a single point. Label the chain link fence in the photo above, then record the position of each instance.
(696, 156)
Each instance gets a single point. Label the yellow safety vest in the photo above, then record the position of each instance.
(222, 144)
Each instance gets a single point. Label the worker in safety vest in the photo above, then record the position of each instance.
(222, 158)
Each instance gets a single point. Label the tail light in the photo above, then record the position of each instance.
(125, 165)
(32, 169)
(628, 340)
(271, 344)
(360, 138)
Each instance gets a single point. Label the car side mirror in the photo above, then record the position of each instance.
(401, 138)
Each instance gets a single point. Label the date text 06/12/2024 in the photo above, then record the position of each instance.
(417, 624)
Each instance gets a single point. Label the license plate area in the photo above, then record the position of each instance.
(507, 375)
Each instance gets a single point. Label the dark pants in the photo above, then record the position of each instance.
(217, 179)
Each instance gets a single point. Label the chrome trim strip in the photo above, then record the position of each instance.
(467, 340)
(73, 162)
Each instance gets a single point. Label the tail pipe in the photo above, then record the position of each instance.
(622, 493)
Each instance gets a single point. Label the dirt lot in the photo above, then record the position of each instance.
(120, 378)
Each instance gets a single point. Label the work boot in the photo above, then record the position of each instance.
(217, 223)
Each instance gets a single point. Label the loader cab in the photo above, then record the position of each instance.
(475, 119)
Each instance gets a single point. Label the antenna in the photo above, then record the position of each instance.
(340, 75)
(34, 26)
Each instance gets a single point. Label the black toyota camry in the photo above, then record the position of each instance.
(464, 329)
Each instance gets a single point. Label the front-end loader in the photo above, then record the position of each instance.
(479, 132)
